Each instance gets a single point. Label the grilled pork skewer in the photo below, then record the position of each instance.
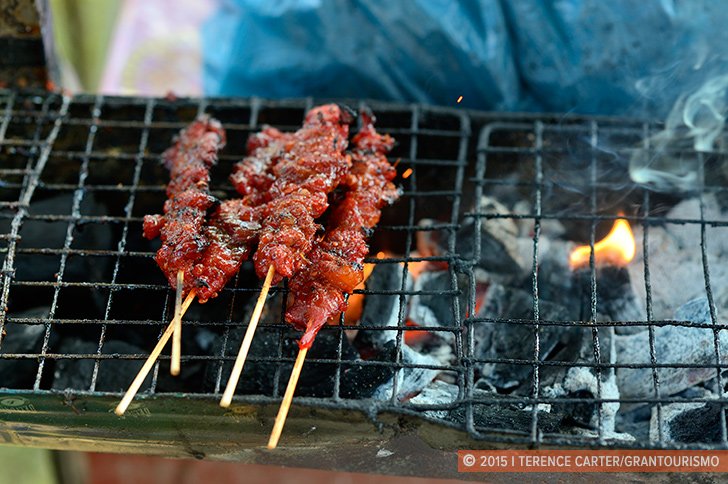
(197, 256)
(335, 265)
(291, 185)
(205, 254)
(182, 227)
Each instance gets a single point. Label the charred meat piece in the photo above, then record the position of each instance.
(230, 233)
(252, 177)
(334, 265)
(308, 165)
(232, 230)
(182, 227)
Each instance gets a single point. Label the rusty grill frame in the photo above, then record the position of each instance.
(476, 139)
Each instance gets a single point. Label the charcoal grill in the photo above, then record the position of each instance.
(77, 150)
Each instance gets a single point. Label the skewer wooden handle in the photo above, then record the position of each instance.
(287, 398)
(174, 366)
(142, 375)
(232, 383)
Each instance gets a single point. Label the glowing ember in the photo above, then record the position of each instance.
(616, 249)
(407, 173)
(413, 336)
(356, 301)
(460, 99)
(414, 268)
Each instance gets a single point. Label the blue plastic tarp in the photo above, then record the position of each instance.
(587, 56)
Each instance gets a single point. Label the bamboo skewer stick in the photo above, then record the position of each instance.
(287, 398)
(174, 366)
(232, 383)
(141, 376)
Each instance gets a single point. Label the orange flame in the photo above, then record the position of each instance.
(616, 249)
(356, 301)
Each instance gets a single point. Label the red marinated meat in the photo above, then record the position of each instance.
(182, 228)
(191, 156)
(253, 176)
(309, 165)
(210, 252)
(232, 228)
(285, 181)
(230, 232)
(335, 264)
(153, 226)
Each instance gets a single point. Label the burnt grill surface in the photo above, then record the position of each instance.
(78, 174)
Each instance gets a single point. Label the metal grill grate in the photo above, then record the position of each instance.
(84, 170)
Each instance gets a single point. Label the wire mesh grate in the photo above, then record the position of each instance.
(78, 174)
(591, 212)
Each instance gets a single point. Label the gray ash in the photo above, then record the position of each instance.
(435, 307)
(377, 341)
(690, 349)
